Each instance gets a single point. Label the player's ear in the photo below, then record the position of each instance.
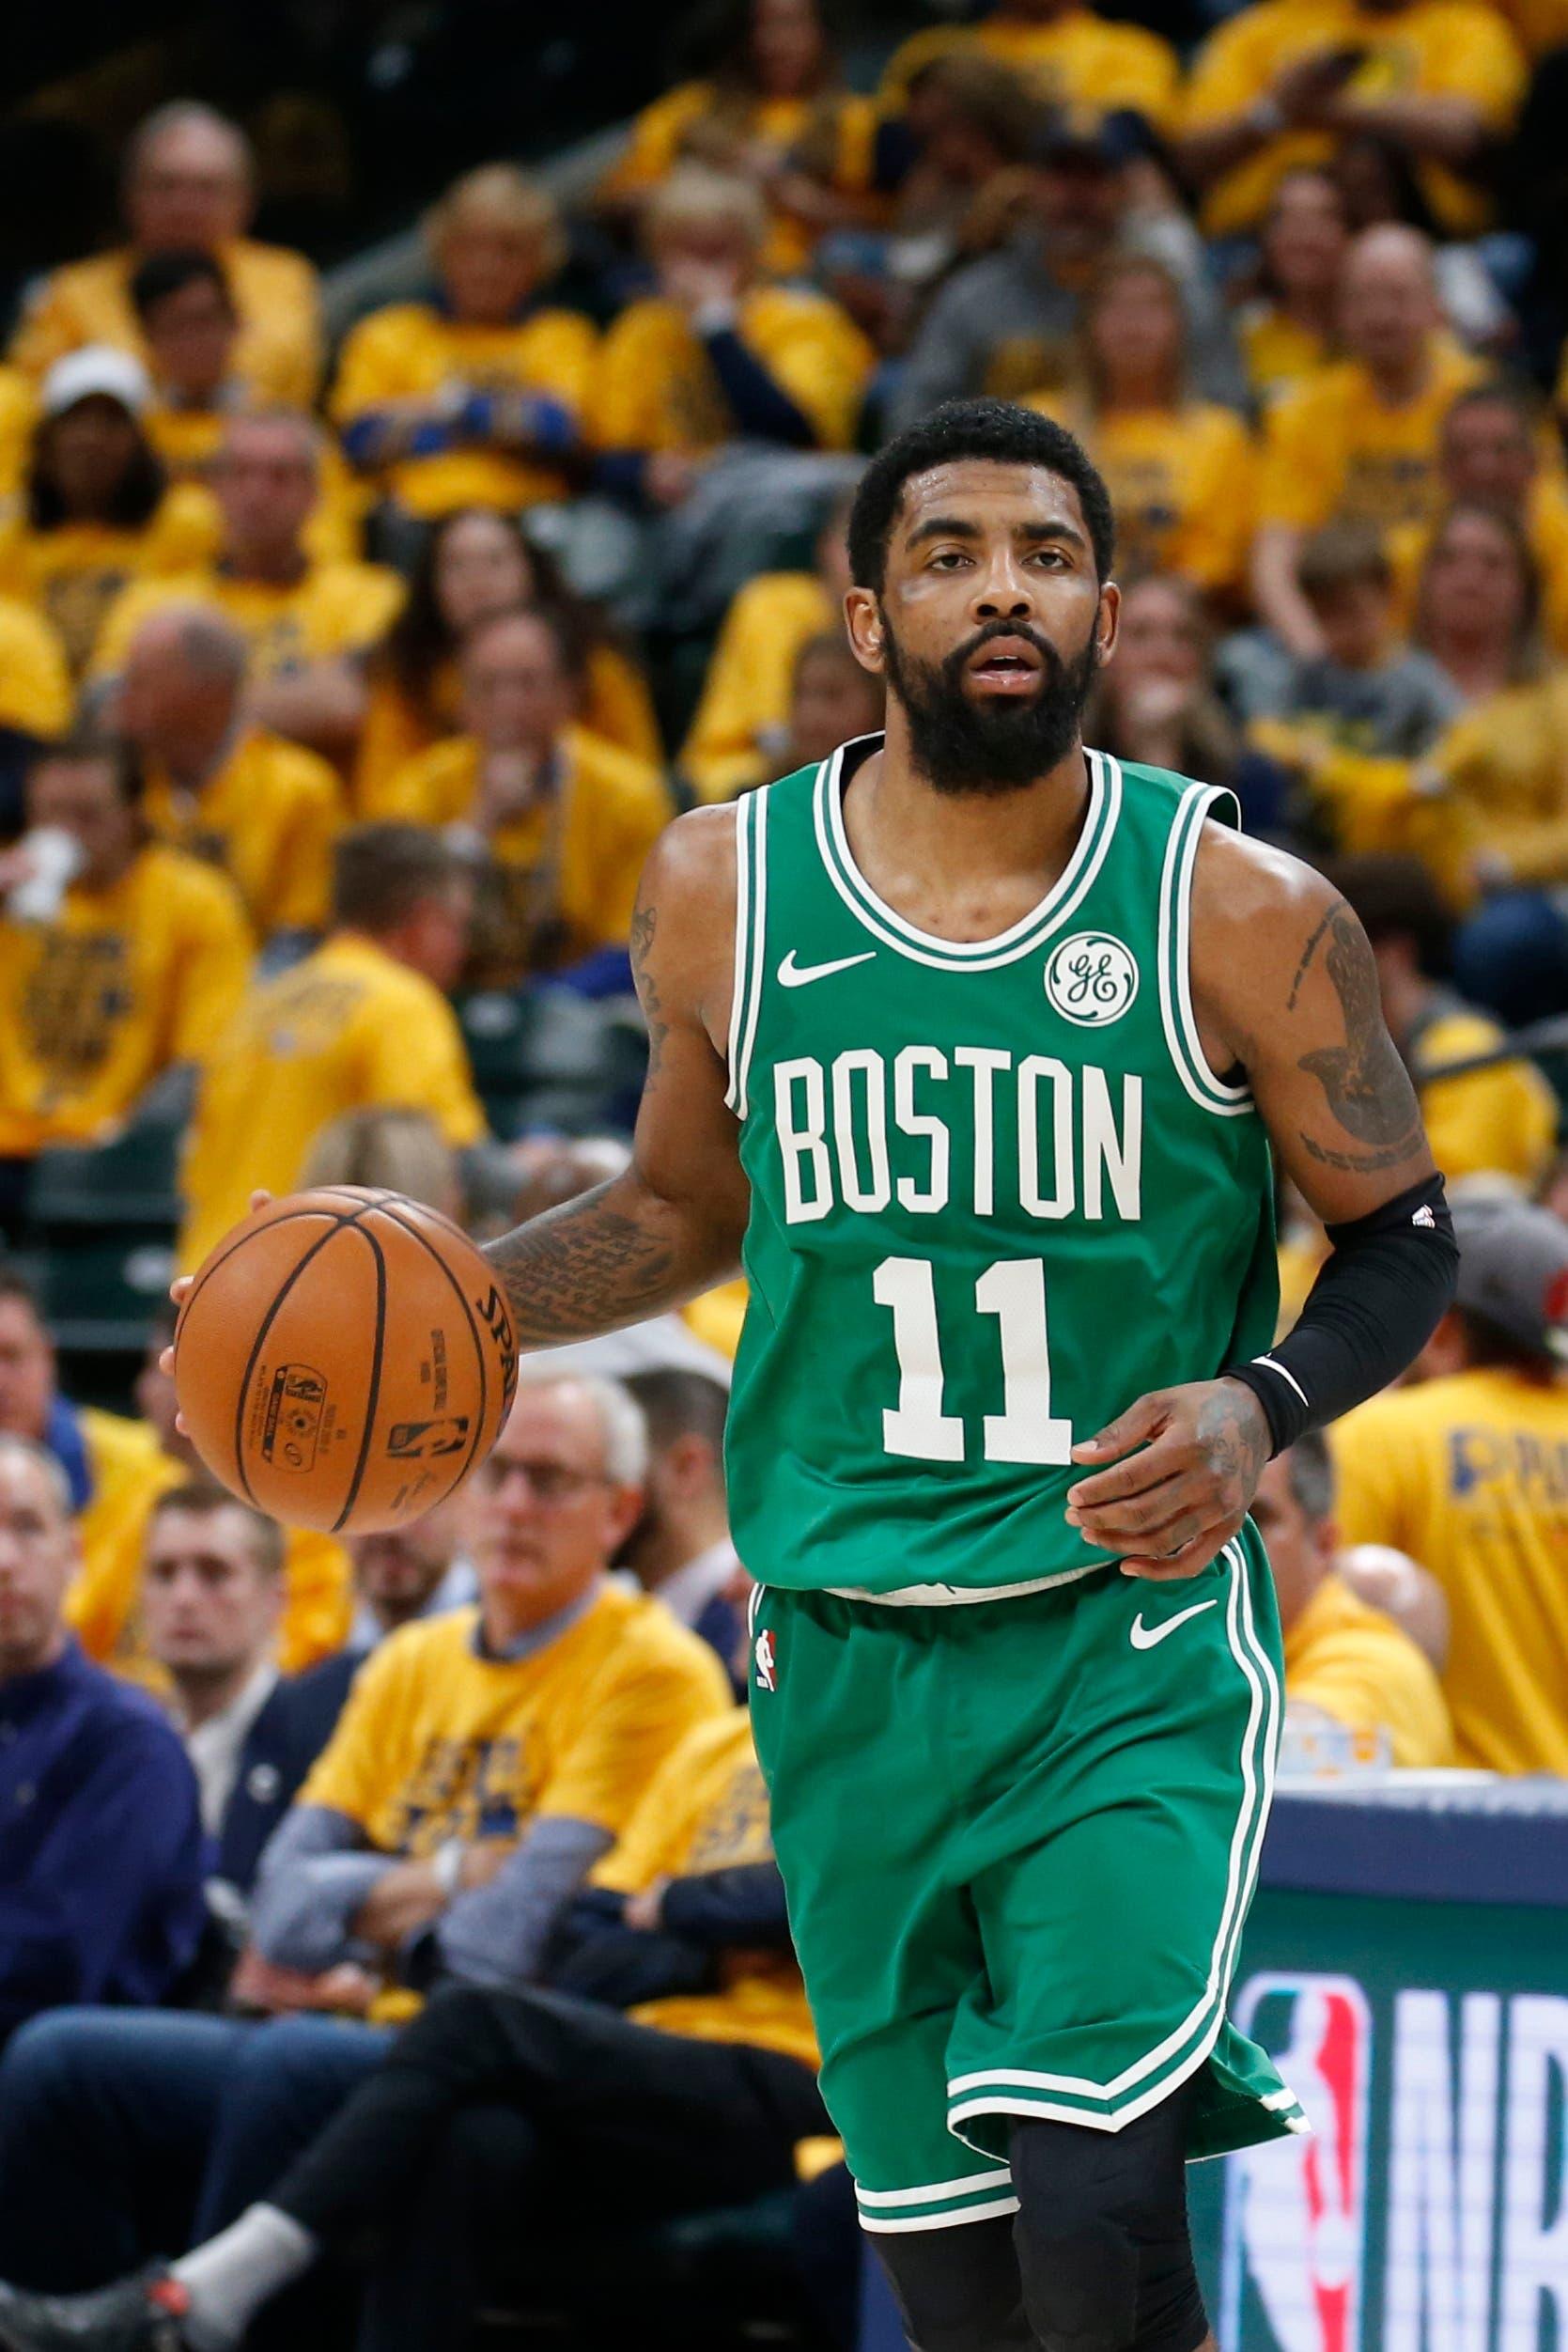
(862, 618)
(1107, 621)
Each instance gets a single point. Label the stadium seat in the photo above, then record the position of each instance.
(128, 1183)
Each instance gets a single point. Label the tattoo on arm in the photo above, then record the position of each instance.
(584, 1268)
(642, 927)
(1367, 1086)
(1308, 953)
(1232, 1432)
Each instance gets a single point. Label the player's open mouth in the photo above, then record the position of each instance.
(1005, 666)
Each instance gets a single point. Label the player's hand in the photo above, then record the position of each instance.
(1186, 1464)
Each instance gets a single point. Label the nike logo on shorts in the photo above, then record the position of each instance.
(1144, 1637)
(794, 975)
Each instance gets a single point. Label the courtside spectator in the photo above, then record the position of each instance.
(471, 566)
(211, 1599)
(104, 1603)
(1491, 454)
(1466, 1470)
(115, 982)
(680, 1548)
(96, 510)
(100, 1839)
(34, 696)
(566, 818)
(474, 398)
(1498, 1121)
(301, 617)
(1007, 325)
(774, 110)
(718, 353)
(831, 700)
(1281, 83)
(1156, 701)
(1289, 328)
(1358, 441)
(1071, 56)
(266, 810)
(388, 1147)
(188, 182)
(1180, 471)
(363, 1020)
(746, 690)
(1344, 1660)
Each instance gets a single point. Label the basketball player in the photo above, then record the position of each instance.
(972, 1045)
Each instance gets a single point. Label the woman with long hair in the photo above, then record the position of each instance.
(1288, 329)
(473, 564)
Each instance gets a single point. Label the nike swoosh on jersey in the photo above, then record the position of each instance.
(794, 975)
(1144, 1637)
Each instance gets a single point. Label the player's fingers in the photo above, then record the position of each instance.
(1171, 1455)
(183, 1424)
(261, 1199)
(1134, 1427)
(165, 1363)
(179, 1289)
(1175, 1511)
(1186, 1562)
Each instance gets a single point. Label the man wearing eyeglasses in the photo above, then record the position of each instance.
(486, 1759)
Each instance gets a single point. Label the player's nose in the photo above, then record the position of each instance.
(1003, 593)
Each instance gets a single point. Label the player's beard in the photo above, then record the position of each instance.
(960, 743)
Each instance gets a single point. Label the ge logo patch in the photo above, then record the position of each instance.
(1090, 979)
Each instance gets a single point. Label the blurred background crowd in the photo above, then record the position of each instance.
(426, 436)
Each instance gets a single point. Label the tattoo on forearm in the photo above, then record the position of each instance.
(1308, 952)
(1363, 1162)
(1367, 1086)
(581, 1268)
(642, 925)
(1233, 1434)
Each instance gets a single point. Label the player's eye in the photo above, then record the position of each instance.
(948, 558)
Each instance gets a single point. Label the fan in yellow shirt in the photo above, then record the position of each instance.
(568, 821)
(363, 1020)
(302, 620)
(96, 509)
(1280, 82)
(133, 974)
(188, 184)
(1467, 1472)
(266, 811)
(1071, 56)
(716, 354)
(475, 398)
(1179, 471)
(18, 410)
(1344, 1661)
(472, 566)
(1290, 329)
(1359, 441)
(35, 678)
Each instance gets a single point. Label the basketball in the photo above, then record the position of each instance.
(343, 1360)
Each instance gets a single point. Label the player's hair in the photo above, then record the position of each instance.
(503, 193)
(15, 1447)
(561, 629)
(678, 1403)
(198, 1497)
(1310, 1476)
(1341, 555)
(383, 871)
(1395, 897)
(162, 274)
(178, 115)
(90, 747)
(696, 195)
(997, 431)
(621, 1420)
(387, 1147)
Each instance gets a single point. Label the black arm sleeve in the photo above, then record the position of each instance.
(1375, 1303)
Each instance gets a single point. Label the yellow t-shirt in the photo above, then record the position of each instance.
(1469, 1476)
(577, 857)
(717, 1317)
(1279, 352)
(1428, 48)
(1181, 482)
(1506, 766)
(269, 816)
(347, 1028)
(1502, 1120)
(1078, 59)
(706, 1809)
(103, 1605)
(1360, 1667)
(34, 677)
(411, 352)
(276, 293)
(19, 409)
(437, 1742)
(77, 574)
(124, 982)
(1547, 525)
(188, 439)
(655, 387)
(747, 687)
(330, 609)
(1333, 451)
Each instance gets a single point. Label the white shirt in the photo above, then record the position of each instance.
(686, 1593)
(214, 1747)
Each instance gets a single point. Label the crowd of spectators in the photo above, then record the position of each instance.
(343, 690)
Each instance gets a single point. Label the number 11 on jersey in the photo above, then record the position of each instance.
(1013, 1290)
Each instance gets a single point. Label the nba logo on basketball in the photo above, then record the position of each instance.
(768, 1665)
(1296, 2209)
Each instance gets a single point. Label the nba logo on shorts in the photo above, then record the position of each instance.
(766, 1658)
(1296, 2208)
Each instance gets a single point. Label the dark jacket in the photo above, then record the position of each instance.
(280, 1748)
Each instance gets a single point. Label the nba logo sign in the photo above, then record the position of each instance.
(768, 1665)
(1296, 2209)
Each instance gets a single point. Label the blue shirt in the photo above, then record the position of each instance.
(101, 1852)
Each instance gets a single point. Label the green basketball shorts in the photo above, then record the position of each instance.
(1019, 1839)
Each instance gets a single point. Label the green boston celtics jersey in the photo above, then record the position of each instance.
(997, 1193)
